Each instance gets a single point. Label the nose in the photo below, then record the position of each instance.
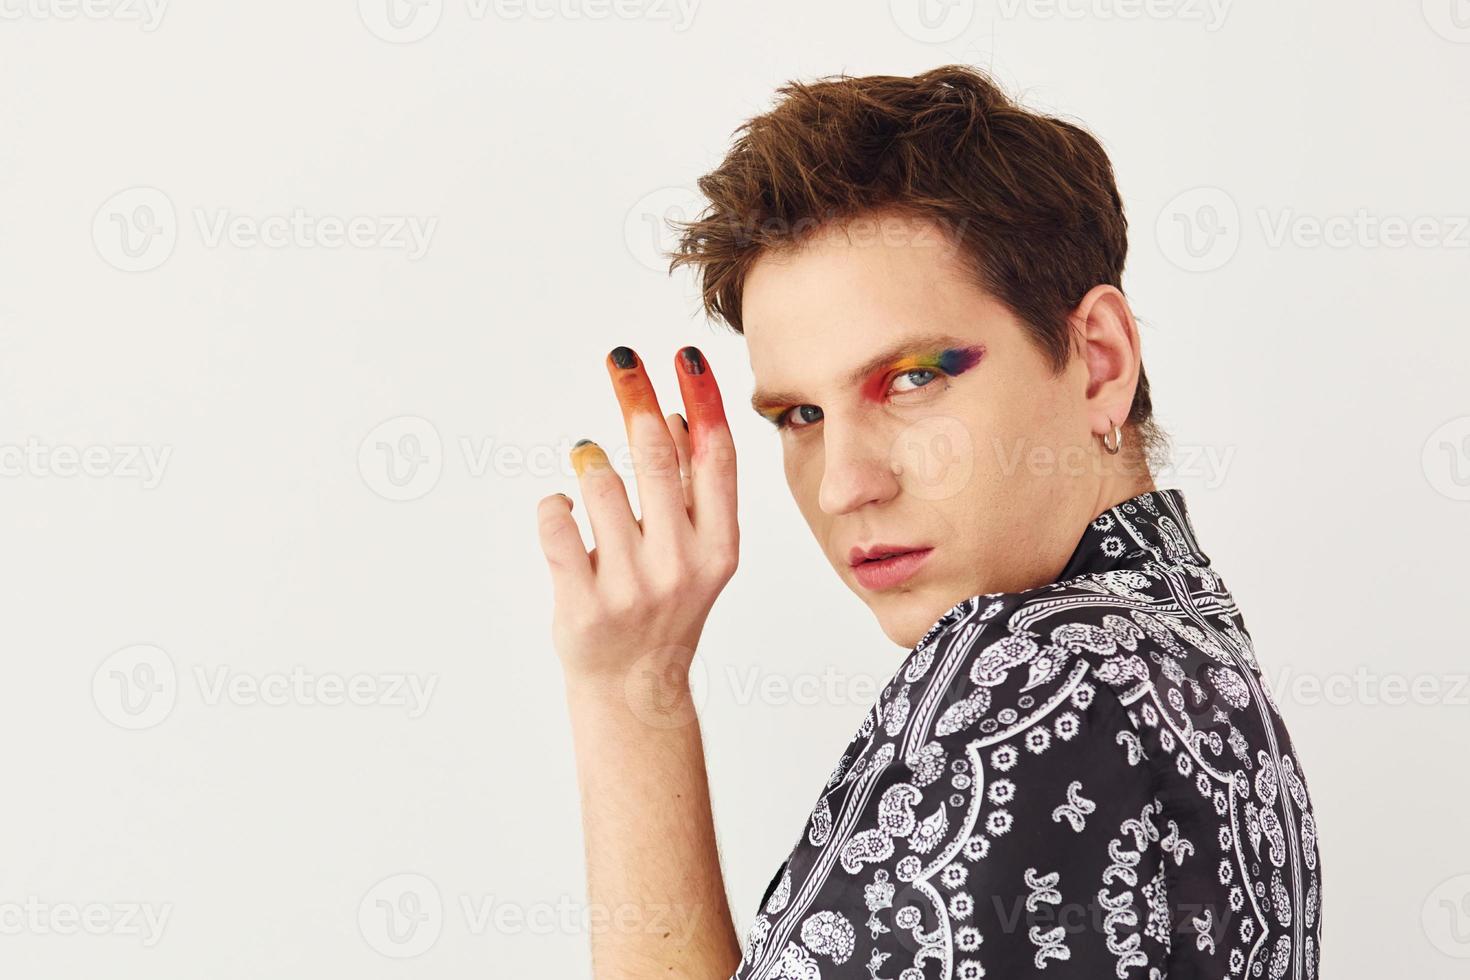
(857, 469)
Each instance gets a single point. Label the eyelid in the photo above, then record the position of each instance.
(937, 372)
(782, 421)
(772, 415)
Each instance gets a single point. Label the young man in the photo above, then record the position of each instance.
(1076, 771)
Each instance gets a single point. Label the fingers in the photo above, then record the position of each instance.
(614, 529)
(655, 456)
(712, 450)
(685, 472)
(679, 430)
(561, 543)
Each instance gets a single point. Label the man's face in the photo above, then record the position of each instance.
(920, 416)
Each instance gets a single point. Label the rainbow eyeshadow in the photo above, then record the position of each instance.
(773, 415)
(951, 361)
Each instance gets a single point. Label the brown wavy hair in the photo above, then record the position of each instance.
(1029, 200)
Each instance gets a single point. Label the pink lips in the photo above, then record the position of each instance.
(883, 566)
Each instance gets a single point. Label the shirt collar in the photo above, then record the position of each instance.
(1152, 526)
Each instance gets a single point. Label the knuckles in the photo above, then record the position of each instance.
(657, 460)
(603, 487)
(723, 561)
(671, 589)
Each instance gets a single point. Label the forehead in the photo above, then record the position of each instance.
(814, 314)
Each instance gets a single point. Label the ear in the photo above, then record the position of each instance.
(1104, 327)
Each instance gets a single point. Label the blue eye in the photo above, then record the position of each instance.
(808, 413)
(932, 374)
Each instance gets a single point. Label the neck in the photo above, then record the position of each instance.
(1124, 476)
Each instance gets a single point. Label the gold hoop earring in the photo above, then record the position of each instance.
(1116, 442)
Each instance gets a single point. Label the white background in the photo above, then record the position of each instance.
(1316, 387)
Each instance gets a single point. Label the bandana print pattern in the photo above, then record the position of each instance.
(1087, 779)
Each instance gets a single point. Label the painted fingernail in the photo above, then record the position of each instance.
(624, 357)
(683, 420)
(586, 454)
(693, 360)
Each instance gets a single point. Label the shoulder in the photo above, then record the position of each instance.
(1000, 657)
(1128, 628)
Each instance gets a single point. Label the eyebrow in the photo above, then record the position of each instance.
(764, 401)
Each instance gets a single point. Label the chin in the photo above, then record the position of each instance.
(905, 616)
(904, 634)
(905, 619)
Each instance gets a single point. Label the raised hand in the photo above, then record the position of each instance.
(647, 586)
(628, 615)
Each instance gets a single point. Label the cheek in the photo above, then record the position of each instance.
(1042, 410)
(804, 477)
(1012, 420)
(935, 457)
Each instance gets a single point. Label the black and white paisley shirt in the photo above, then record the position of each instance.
(1083, 780)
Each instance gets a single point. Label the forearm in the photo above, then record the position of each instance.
(653, 872)
(627, 619)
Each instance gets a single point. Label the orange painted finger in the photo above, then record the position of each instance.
(655, 457)
(711, 448)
